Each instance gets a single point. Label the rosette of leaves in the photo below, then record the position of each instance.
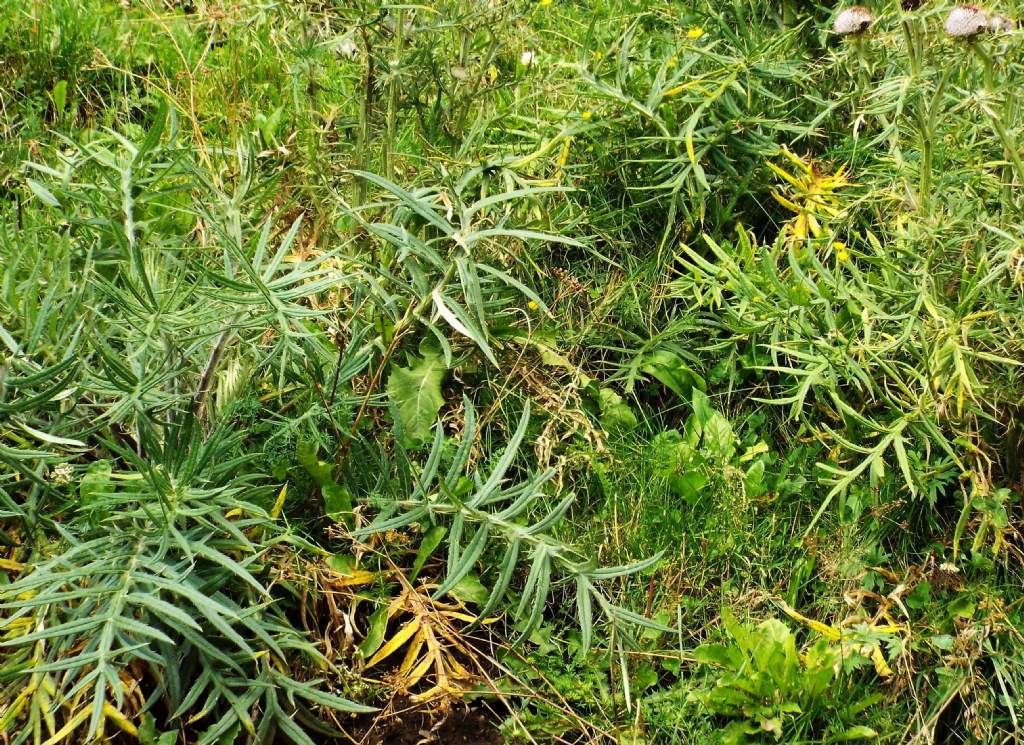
(153, 583)
(765, 686)
(705, 449)
(488, 512)
(138, 588)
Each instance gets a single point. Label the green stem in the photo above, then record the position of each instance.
(927, 125)
(1011, 152)
(1009, 144)
(365, 116)
(394, 92)
(913, 48)
(987, 63)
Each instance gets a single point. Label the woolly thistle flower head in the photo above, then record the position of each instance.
(998, 23)
(965, 21)
(347, 48)
(853, 20)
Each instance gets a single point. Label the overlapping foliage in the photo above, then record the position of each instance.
(648, 371)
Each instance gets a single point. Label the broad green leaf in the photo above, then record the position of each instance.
(962, 606)
(688, 485)
(60, 98)
(150, 735)
(376, 627)
(718, 654)
(858, 732)
(416, 394)
(319, 471)
(470, 589)
(753, 480)
(337, 503)
(94, 483)
(616, 416)
(673, 373)
(703, 411)
(719, 438)
(342, 563)
(431, 540)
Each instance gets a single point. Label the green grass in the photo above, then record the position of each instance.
(637, 372)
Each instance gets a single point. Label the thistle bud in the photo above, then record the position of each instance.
(1000, 24)
(853, 20)
(348, 49)
(966, 21)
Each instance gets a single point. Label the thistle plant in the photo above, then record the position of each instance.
(998, 23)
(966, 22)
(545, 332)
(853, 20)
(153, 573)
(482, 508)
(853, 24)
(969, 23)
(148, 581)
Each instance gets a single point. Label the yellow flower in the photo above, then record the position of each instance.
(545, 3)
(597, 54)
(671, 62)
(695, 33)
(841, 253)
(532, 305)
(586, 116)
(492, 73)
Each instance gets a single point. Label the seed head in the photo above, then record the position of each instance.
(853, 20)
(966, 21)
(998, 23)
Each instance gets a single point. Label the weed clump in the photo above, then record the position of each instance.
(510, 370)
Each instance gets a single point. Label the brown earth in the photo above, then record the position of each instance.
(461, 726)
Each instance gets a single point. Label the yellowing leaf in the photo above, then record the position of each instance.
(786, 175)
(829, 632)
(413, 654)
(797, 160)
(119, 719)
(881, 666)
(395, 643)
(275, 511)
